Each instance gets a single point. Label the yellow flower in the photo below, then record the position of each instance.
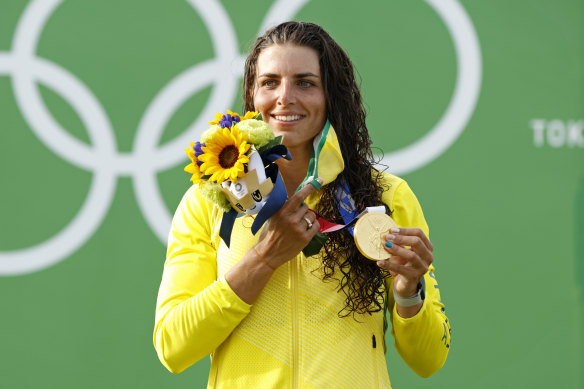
(224, 155)
(193, 167)
(249, 115)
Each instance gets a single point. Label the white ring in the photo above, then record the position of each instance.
(148, 157)
(464, 99)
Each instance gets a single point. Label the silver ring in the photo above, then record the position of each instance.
(308, 222)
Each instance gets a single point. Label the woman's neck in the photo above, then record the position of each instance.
(294, 171)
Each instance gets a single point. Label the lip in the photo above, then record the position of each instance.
(273, 117)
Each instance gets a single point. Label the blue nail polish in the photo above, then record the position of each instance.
(388, 245)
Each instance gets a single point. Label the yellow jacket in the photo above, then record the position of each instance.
(292, 337)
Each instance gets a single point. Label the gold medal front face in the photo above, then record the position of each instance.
(370, 231)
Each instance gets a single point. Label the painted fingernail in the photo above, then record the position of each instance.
(390, 237)
(395, 230)
(388, 245)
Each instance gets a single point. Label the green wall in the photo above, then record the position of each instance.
(478, 104)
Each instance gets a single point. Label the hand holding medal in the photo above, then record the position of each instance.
(411, 257)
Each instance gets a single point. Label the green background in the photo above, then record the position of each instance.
(506, 214)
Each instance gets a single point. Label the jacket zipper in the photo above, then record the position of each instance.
(374, 359)
(294, 287)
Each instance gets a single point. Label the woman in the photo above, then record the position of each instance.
(269, 316)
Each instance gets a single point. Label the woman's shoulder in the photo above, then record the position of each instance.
(392, 184)
(388, 178)
(396, 190)
(406, 210)
(195, 205)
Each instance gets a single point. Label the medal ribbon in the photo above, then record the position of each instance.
(345, 202)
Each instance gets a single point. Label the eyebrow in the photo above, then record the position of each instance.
(299, 75)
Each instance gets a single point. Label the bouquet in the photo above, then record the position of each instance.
(233, 164)
(227, 163)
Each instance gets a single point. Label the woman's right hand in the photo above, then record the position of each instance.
(289, 230)
(283, 237)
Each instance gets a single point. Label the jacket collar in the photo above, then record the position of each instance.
(326, 160)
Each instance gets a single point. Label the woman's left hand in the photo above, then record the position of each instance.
(407, 265)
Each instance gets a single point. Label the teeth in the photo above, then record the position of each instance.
(287, 118)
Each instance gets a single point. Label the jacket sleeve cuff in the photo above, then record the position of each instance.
(234, 299)
(404, 321)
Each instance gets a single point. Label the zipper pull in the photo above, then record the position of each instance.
(374, 342)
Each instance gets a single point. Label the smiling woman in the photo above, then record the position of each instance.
(270, 316)
(290, 95)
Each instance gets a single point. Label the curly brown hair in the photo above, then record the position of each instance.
(361, 280)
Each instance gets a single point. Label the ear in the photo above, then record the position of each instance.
(250, 94)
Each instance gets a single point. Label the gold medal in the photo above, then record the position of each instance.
(369, 234)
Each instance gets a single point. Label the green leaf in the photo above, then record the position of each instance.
(259, 116)
(274, 142)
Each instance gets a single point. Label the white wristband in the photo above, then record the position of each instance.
(412, 300)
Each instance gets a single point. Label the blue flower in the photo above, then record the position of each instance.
(198, 151)
(227, 120)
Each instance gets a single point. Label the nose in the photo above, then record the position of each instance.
(286, 93)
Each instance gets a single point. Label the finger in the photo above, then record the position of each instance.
(401, 231)
(310, 215)
(299, 214)
(298, 197)
(415, 242)
(412, 258)
(384, 264)
(388, 266)
(398, 260)
(394, 268)
(306, 223)
(314, 227)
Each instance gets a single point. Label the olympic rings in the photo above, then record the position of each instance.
(102, 158)
(147, 158)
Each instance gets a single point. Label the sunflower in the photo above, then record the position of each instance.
(193, 167)
(224, 155)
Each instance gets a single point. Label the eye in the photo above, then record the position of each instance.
(268, 83)
(305, 83)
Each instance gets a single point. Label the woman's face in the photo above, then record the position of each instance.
(288, 92)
